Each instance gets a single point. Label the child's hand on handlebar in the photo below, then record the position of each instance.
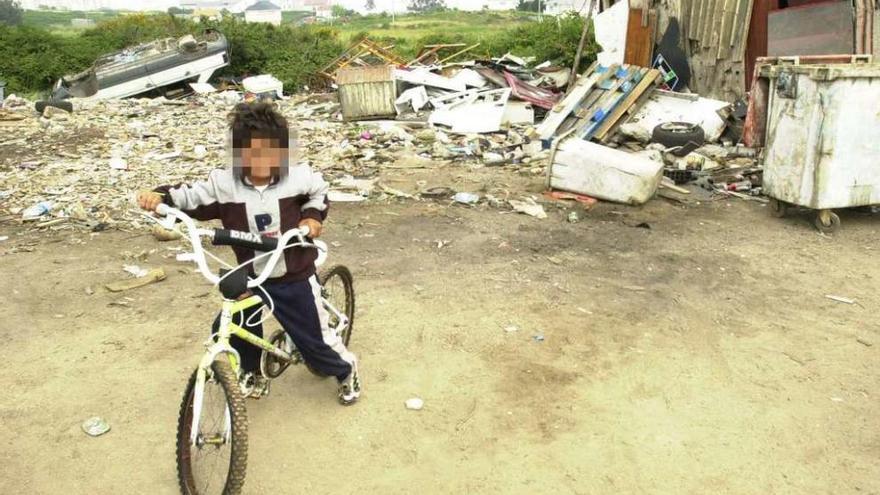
(149, 200)
(314, 226)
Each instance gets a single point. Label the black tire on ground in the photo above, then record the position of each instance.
(347, 280)
(686, 137)
(226, 377)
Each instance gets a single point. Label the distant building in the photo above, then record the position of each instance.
(263, 11)
(501, 5)
(82, 23)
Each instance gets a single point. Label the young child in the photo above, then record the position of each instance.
(259, 193)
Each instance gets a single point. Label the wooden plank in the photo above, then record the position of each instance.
(588, 103)
(629, 112)
(715, 26)
(728, 12)
(699, 18)
(649, 80)
(739, 50)
(571, 101)
(639, 40)
(606, 104)
(708, 12)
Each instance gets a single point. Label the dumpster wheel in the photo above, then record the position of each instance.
(778, 208)
(827, 221)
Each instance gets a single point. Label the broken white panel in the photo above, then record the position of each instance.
(610, 27)
(668, 106)
(413, 98)
(588, 168)
(452, 99)
(202, 88)
(518, 112)
(263, 84)
(421, 77)
(470, 78)
(522, 62)
(482, 115)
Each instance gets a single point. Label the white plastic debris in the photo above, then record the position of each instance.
(136, 270)
(36, 211)
(466, 198)
(118, 163)
(529, 207)
(95, 426)
(415, 404)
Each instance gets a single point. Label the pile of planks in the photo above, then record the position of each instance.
(599, 102)
(717, 32)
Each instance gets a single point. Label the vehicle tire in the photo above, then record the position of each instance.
(223, 385)
(681, 135)
(337, 286)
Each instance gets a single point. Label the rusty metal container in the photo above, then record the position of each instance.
(367, 92)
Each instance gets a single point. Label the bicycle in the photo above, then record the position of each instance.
(203, 432)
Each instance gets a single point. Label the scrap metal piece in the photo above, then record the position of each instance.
(524, 91)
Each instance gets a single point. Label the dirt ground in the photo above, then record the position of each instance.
(699, 355)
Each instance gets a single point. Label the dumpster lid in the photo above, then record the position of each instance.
(825, 72)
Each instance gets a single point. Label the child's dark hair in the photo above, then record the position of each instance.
(260, 120)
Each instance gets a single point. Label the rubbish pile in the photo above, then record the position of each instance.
(80, 168)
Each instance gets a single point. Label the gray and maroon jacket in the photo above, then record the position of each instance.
(240, 206)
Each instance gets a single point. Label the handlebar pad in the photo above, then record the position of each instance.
(223, 237)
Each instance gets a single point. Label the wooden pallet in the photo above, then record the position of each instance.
(598, 101)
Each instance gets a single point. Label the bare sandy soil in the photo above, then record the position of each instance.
(699, 355)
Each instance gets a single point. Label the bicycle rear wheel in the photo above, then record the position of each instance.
(217, 461)
(338, 288)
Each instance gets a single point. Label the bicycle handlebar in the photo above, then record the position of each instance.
(237, 238)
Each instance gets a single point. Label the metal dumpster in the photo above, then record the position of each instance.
(822, 148)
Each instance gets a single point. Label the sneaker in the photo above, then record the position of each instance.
(350, 389)
(254, 385)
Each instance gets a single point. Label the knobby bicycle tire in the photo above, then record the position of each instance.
(238, 459)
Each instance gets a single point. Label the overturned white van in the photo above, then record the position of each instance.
(146, 67)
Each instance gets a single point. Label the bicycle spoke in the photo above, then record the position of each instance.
(211, 456)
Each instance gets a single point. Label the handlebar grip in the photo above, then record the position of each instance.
(248, 240)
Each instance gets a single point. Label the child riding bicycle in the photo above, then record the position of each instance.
(262, 194)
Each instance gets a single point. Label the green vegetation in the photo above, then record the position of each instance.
(59, 20)
(10, 12)
(32, 58)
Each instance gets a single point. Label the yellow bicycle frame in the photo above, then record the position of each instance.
(221, 345)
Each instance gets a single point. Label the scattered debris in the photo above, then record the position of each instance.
(529, 207)
(840, 299)
(466, 198)
(538, 338)
(95, 426)
(415, 404)
(588, 168)
(864, 342)
(151, 276)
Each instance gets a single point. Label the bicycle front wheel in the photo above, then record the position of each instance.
(216, 461)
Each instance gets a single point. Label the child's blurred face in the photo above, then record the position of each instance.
(262, 156)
